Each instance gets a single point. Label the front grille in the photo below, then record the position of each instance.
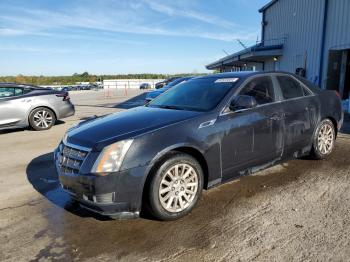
(71, 158)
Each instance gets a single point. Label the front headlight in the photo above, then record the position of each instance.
(111, 157)
(65, 137)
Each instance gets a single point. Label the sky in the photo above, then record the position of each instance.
(63, 37)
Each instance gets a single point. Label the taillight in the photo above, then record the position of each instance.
(64, 95)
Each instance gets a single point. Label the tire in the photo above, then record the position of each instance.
(324, 140)
(42, 118)
(183, 190)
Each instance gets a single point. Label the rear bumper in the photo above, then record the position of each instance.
(67, 110)
(117, 195)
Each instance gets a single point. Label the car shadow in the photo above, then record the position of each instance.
(21, 129)
(12, 130)
(135, 101)
(86, 118)
(41, 173)
(59, 122)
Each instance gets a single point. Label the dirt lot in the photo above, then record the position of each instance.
(292, 212)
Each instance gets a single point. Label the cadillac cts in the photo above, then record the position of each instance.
(199, 134)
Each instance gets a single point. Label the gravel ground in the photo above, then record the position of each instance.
(292, 212)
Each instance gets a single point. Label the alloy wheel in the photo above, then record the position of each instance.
(42, 119)
(325, 139)
(178, 188)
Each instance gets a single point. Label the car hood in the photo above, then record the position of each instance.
(102, 131)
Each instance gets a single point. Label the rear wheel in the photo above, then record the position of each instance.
(175, 187)
(324, 140)
(42, 118)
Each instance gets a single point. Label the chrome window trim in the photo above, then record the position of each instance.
(304, 86)
(239, 89)
(297, 80)
(223, 113)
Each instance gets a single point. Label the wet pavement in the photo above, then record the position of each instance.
(295, 211)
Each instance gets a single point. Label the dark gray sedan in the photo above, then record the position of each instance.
(197, 135)
(39, 108)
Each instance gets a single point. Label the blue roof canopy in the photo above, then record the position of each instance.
(257, 53)
(267, 6)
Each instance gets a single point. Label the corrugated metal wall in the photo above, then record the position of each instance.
(338, 29)
(300, 22)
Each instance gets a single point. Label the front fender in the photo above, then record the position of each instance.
(148, 149)
(166, 150)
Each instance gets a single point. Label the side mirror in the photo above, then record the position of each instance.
(242, 102)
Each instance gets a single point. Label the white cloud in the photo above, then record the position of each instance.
(184, 12)
(20, 48)
(132, 18)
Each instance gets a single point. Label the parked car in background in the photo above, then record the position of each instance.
(151, 95)
(86, 87)
(145, 86)
(166, 82)
(39, 108)
(66, 89)
(199, 134)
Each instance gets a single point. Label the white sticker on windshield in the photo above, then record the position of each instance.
(226, 80)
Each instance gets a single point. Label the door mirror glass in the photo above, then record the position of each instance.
(242, 102)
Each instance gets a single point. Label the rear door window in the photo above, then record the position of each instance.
(10, 91)
(290, 88)
(261, 88)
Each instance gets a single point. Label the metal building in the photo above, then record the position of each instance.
(309, 37)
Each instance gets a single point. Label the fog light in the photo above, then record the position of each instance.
(107, 198)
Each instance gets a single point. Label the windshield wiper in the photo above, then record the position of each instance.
(170, 107)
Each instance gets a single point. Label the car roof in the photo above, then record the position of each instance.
(240, 74)
(22, 85)
(183, 78)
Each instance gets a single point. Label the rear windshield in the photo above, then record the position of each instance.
(195, 95)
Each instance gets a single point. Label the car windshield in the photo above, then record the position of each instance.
(195, 95)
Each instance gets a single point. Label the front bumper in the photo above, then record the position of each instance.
(117, 195)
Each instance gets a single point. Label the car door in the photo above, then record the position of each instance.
(13, 106)
(299, 111)
(253, 136)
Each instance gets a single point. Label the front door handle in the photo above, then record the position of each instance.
(26, 100)
(275, 118)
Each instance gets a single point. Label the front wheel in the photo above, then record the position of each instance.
(175, 187)
(42, 118)
(324, 140)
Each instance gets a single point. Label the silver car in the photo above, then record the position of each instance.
(25, 105)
